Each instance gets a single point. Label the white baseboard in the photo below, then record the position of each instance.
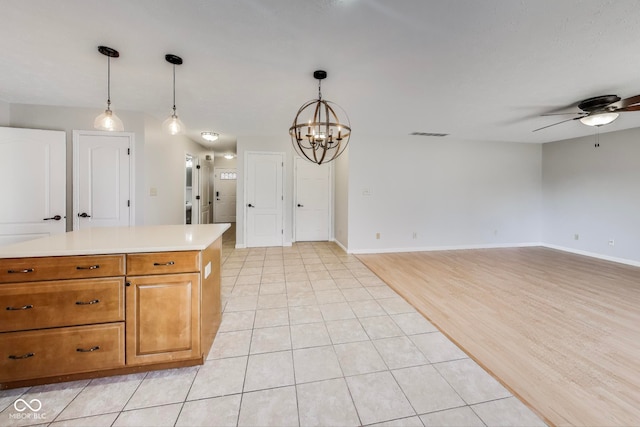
(443, 248)
(240, 246)
(593, 255)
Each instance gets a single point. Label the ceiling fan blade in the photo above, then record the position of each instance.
(624, 103)
(629, 108)
(564, 114)
(548, 126)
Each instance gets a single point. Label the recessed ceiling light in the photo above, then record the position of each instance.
(229, 156)
(209, 136)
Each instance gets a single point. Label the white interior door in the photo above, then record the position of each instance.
(313, 202)
(102, 179)
(224, 197)
(205, 193)
(264, 199)
(32, 184)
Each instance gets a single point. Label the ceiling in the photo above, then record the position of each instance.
(477, 70)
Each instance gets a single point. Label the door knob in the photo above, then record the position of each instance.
(57, 218)
(250, 205)
(300, 206)
(84, 215)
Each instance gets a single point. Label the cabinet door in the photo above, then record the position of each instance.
(163, 315)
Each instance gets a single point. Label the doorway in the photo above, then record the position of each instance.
(224, 187)
(192, 205)
(313, 201)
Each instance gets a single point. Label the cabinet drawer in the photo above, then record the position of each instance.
(61, 303)
(57, 268)
(163, 263)
(33, 354)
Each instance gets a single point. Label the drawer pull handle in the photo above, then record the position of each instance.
(24, 356)
(91, 267)
(88, 350)
(26, 270)
(24, 307)
(95, 301)
(163, 263)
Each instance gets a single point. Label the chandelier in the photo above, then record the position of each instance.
(323, 137)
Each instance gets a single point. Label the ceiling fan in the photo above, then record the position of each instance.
(599, 110)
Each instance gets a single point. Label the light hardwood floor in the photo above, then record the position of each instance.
(561, 331)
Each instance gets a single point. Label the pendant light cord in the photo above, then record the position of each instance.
(174, 89)
(108, 82)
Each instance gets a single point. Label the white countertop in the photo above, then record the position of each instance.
(112, 240)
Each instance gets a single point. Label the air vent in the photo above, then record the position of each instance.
(429, 134)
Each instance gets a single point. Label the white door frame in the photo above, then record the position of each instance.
(295, 196)
(245, 208)
(76, 173)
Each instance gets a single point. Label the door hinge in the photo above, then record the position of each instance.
(197, 197)
(281, 231)
(281, 197)
(128, 203)
(197, 166)
(282, 164)
(128, 151)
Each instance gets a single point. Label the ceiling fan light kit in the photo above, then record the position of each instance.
(600, 119)
(108, 120)
(324, 136)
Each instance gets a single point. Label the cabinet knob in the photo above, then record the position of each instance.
(127, 283)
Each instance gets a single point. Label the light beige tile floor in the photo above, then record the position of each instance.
(309, 337)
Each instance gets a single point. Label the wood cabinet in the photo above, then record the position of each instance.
(73, 317)
(163, 318)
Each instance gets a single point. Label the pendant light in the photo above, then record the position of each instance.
(326, 134)
(108, 120)
(173, 125)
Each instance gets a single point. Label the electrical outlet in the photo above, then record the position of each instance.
(378, 236)
(576, 236)
(415, 235)
(612, 242)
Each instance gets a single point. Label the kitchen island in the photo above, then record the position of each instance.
(108, 301)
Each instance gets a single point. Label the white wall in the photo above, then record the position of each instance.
(159, 157)
(4, 113)
(453, 194)
(341, 199)
(165, 173)
(68, 119)
(593, 192)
